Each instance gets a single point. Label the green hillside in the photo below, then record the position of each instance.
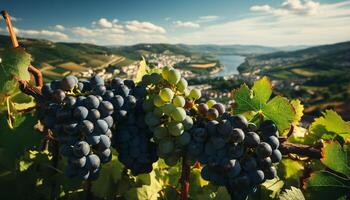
(56, 59)
(326, 60)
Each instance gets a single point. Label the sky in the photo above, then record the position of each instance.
(224, 22)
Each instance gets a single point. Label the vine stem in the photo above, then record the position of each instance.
(314, 152)
(88, 191)
(55, 160)
(185, 179)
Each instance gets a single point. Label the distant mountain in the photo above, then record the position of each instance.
(184, 49)
(324, 60)
(244, 50)
(136, 51)
(59, 52)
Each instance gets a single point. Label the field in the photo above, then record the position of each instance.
(204, 66)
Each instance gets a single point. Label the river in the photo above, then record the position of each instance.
(230, 64)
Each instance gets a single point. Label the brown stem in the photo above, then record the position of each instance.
(29, 89)
(38, 76)
(88, 190)
(55, 159)
(314, 152)
(7, 18)
(185, 179)
(45, 142)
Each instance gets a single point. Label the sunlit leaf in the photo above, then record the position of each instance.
(292, 194)
(142, 70)
(326, 185)
(336, 157)
(278, 109)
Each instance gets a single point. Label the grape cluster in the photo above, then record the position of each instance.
(132, 137)
(165, 105)
(234, 152)
(79, 113)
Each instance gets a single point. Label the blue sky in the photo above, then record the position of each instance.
(120, 22)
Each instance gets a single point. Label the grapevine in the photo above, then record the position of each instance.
(94, 124)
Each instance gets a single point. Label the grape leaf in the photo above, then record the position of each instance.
(271, 188)
(145, 191)
(336, 157)
(142, 70)
(278, 109)
(110, 174)
(196, 182)
(291, 171)
(299, 108)
(292, 194)
(326, 185)
(328, 126)
(15, 62)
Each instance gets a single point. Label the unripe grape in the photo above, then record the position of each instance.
(182, 85)
(188, 123)
(166, 94)
(210, 103)
(175, 128)
(179, 101)
(166, 146)
(168, 108)
(173, 76)
(178, 114)
(157, 101)
(160, 132)
(194, 94)
(165, 72)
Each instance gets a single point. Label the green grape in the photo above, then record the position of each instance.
(195, 94)
(158, 112)
(166, 146)
(182, 85)
(210, 103)
(184, 139)
(160, 132)
(179, 101)
(188, 123)
(165, 72)
(147, 105)
(172, 160)
(178, 114)
(168, 108)
(175, 128)
(186, 92)
(173, 76)
(166, 94)
(151, 120)
(157, 101)
(155, 78)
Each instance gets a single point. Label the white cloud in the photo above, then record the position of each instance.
(104, 23)
(288, 7)
(187, 24)
(211, 17)
(263, 8)
(144, 27)
(59, 27)
(328, 25)
(42, 34)
(208, 18)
